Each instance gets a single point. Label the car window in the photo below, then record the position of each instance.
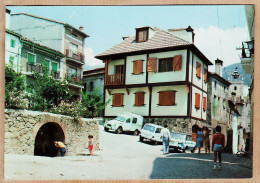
(134, 120)
(158, 130)
(120, 118)
(128, 120)
(149, 128)
(189, 138)
(178, 136)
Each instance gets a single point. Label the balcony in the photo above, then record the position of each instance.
(75, 56)
(75, 81)
(31, 67)
(116, 79)
(56, 75)
(246, 56)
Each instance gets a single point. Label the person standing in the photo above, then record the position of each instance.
(90, 144)
(206, 142)
(199, 142)
(62, 147)
(218, 143)
(165, 133)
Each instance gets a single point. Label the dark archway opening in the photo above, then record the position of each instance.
(44, 140)
(195, 129)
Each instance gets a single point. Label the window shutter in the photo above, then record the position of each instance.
(205, 75)
(152, 64)
(204, 103)
(197, 100)
(30, 58)
(54, 66)
(117, 100)
(166, 98)
(139, 98)
(198, 70)
(177, 62)
(138, 67)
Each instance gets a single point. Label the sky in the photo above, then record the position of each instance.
(219, 29)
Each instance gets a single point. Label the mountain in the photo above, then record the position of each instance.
(227, 71)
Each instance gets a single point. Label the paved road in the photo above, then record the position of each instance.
(124, 157)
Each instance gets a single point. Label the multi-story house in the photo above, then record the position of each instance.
(218, 113)
(59, 36)
(160, 75)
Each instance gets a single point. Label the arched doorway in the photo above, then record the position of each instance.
(195, 129)
(44, 140)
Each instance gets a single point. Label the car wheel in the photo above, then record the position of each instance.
(192, 151)
(106, 129)
(119, 130)
(136, 132)
(155, 142)
(183, 150)
(141, 139)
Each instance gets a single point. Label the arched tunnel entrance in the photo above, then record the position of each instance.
(44, 140)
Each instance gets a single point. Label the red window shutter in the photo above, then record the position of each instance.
(166, 98)
(152, 64)
(139, 98)
(198, 69)
(138, 67)
(117, 100)
(204, 103)
(197, 100)
(205, 75)
(177, 62)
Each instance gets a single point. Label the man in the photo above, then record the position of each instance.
(61, 146)
(165, 133)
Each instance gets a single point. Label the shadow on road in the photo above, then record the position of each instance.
(197, 166)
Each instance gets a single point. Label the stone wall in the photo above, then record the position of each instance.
(22, 126)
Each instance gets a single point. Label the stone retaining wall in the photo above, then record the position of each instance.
(22, 126)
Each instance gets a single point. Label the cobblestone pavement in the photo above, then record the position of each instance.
(124, 157)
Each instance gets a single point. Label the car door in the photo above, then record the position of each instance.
(157, 135)
(127, 124)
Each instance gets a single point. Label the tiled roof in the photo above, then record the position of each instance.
(161, 39)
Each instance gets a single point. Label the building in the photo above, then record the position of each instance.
(93, 79)
(218, 112)
(59, 36)
(160, 75)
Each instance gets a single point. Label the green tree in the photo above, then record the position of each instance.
(47, 92)
(92, 104)
(14, 89)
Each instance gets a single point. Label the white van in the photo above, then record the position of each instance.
(126, 122)
(151, 132)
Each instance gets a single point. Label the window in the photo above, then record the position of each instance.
(12, 43)
(205, 75)
(11, 60)
(74, 48)
(152, 64)
(165, 65)
(119, 69)
(54, 66)
(134, 120)
(47, 64)
(166, 98)
(142, 36)
(91, 86)
(128, 120)
(204, 103)
(72, 72)
(198, 69)
(197, 100)
(31, 58)
(118, 100)
(158, 130)
(177, 62)
(138, 67)
(215, 85)
(235, 87)
(139, 99)
(224, 103)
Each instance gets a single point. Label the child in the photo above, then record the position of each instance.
(218, 142)
(90, 144)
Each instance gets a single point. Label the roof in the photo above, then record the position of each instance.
(160, 40)
(65, 24)
(219, 78)
(26, 40)
(93, 72)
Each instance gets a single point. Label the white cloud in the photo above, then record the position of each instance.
(218, 43)
(90, 61)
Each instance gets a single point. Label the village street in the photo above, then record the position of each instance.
(124, 157)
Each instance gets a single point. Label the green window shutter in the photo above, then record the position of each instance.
(31, 58)
(214, 107)
(12, 43)
(11, 60)
(47, 64)
(54, 66)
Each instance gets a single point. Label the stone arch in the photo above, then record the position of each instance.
(44, 140)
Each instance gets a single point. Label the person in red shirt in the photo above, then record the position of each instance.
(90, 144)
(218, 143)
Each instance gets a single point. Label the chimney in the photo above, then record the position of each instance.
(218, 67)
(81, 28)
(185, 33)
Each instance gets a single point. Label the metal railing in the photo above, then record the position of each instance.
(75, 55)
(32, 67)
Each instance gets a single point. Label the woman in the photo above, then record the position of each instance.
(206, 142)
(199, 142)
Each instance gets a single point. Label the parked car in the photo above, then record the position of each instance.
(182, 141)
(151, 132)
(125, 122)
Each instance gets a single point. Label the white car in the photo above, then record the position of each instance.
(126, 122)
(151, 132)
(182, 141)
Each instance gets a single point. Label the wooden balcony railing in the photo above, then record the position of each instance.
(116, 79)
(75, 55)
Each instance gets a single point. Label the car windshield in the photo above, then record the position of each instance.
(149, 128)
(189, 138)
(120, 118)
(178, 136)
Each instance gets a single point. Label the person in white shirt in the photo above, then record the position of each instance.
(165, 133)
